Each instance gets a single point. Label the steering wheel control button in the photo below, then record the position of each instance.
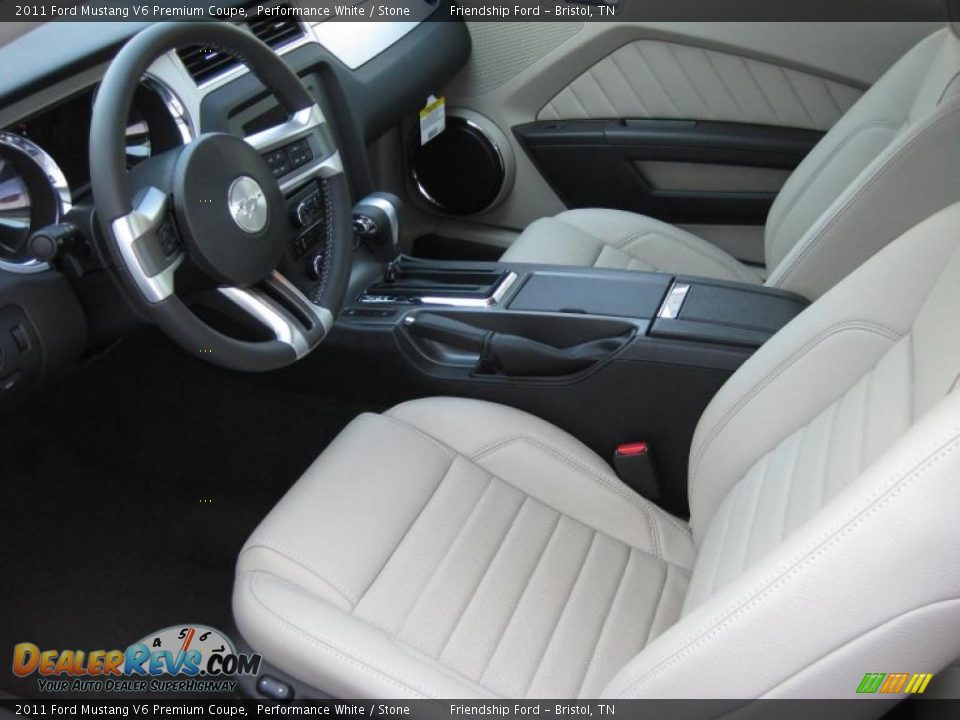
(289, 157)
(278, 162)
(248, 206)
(167, 235)
(299, 153)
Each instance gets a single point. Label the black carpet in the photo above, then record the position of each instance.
(129, 488)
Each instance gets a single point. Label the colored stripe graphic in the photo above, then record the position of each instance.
(918, 683)
(894, 683)
(871, 682)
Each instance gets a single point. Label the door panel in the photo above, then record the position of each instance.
(799, 75)
(679, 171)
(654, 79)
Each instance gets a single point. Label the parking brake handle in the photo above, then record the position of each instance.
(512, 355)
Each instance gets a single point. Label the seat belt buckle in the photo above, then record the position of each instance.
(634, 467)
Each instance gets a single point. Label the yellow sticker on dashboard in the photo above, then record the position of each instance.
(433, 119)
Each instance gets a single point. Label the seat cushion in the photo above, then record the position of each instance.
(625, 241)
(453, 548)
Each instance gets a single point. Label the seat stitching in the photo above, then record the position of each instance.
(828, 450)
(913, 470)
(334, 648)
(652, 526)
(731, 264)
(606, 621)
(656, 608)
(446, 555)
(563, 612)
(483, 576)
(821, 168)
(788, 362)
(864, 419)
(523, 593)
(917, 133)
(721, 541)
(449, 452)
(827, 653)
(611, 484)
(791, 481)
(406, 532)
(306, 565)
(754, 514)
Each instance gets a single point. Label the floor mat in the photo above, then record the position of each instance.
(130, 487)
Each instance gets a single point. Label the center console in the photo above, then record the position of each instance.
(610, 356)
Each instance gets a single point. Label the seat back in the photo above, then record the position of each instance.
(890, 161)
(825, 495)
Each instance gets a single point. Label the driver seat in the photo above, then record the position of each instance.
(455, 548)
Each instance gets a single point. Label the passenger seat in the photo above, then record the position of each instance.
(891, 161)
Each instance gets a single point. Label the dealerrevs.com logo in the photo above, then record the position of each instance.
(180, 658)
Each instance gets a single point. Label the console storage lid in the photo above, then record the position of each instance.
(716, 311)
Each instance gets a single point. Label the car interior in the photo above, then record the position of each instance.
(474, 359)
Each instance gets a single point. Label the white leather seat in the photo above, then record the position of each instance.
(453, 548)
(890, 161)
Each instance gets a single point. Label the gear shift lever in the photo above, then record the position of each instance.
(376, 221)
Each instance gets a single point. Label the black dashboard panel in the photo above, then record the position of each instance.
(42, 330)
(363, 103)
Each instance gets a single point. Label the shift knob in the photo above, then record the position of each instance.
(376, 221)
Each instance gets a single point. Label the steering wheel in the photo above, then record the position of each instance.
(211, 215)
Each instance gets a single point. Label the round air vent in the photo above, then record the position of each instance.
(465, 170)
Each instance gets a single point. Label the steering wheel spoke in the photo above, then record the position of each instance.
(299, 148)
(217, 209)
(148, 242)
(277, 305)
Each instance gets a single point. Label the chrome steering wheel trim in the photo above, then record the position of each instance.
(154, 230)
(133, 232)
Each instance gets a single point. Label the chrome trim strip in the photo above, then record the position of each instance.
(267, 311)
(501, 161)
(138, 223)
(300, 123)
(498, 294)
(390, 211)
(58, 183)
(671, 306)
(174, 105)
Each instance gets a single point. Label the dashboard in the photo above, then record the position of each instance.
(57, 311)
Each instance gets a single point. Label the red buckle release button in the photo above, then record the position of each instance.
(628, 449)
